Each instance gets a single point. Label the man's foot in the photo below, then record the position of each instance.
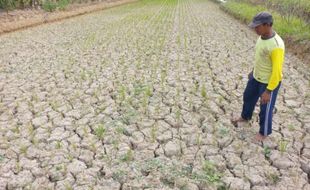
(259, 137)
(239, 120)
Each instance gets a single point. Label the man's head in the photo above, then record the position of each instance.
(262, 23)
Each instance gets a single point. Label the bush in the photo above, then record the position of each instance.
(62, 4)
(7, 4)
(49, 6)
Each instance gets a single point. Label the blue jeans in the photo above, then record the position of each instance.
(252, 92)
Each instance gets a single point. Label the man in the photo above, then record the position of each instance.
(265, 80)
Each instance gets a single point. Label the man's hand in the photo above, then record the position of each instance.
(265, 97)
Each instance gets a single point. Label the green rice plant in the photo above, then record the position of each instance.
(163, 76)
(18, 167)
(30, 129)
(70, 157)
(178, 115)
(223, 131)
(221, 99)
(128, 156)
(68, 187)
(115, 143)
(16, 130)
(282, 145)
(196, 86)
(120, 130)
(154, 133)
(209, 174)
(120, 175)
(274, 178)
(1, 158)
(23, 149)
(145, 102)
(291, 127)
(267, 152)
(58, 145)
(100, 131)
(148, 91)
(85, 131)
(204, 92)
(199, 140)
(89, 40)
(58, 168)
(129, 115)
(74, 146)
(122, 93)
(83, 75)
(210, 169)
(34, 97)
(34, 140)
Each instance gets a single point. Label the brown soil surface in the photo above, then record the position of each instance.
(300, 49)
(20, 19)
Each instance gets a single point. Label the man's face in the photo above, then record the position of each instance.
(261, 29)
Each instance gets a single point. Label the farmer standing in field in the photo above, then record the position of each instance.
(265, 79)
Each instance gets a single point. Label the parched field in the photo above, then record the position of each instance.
(141, 97)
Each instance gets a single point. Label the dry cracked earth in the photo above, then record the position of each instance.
(140, 97)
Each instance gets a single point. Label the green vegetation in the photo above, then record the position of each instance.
(62, 4)
(207, 175)
(47, 5)
(267, 152)
(274, 178)
(282, 146)
(128, 156)
(7, 4)
(1, 158)
(287, 25)
(100, 131)
(299, 8)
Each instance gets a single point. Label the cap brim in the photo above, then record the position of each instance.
(253, 24)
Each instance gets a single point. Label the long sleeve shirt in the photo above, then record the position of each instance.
(269, 58)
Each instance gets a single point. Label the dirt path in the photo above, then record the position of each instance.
(141, 96)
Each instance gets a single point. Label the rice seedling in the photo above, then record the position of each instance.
(178, 115)
(274, 178)
(282, 146)
(23, 149)
(16, 130)
(83, 75)
(122, 94)
(85, 131)
(18, 167)
(68, 187)
(58, 145)
(204, 92)
(100, 131)
(267, 152)
(291, 127)
(128, 156)
(223, 131)
(120, 130)
(1, 158)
